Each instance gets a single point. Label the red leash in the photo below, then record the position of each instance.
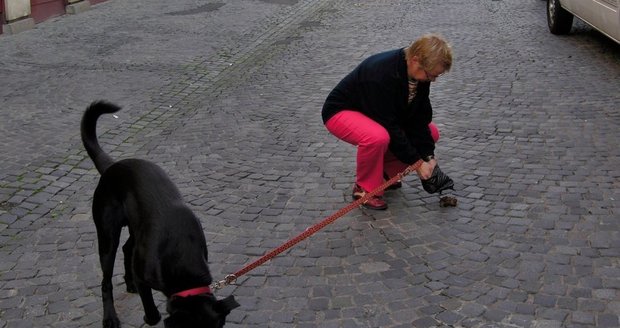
(313, 229)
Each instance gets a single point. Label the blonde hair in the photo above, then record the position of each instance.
(431, 50)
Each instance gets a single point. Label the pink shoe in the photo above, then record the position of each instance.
(374, 203)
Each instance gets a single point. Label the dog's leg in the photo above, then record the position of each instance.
(151, 314)
(107, 256)
(108, 235)
(128, 252)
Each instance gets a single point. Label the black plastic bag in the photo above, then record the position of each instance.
(438, 182)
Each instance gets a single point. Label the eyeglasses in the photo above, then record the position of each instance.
(430, 76)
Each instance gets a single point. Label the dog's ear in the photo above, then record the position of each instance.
(225, 305)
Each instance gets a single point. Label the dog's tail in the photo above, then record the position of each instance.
(89, 133)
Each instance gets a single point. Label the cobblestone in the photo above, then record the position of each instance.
(226, 96)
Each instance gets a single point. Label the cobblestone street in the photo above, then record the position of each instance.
(226, 96)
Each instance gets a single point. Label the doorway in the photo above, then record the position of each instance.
(44, 9)
(2, 18)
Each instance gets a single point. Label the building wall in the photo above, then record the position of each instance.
(19, 15)
(16, 9)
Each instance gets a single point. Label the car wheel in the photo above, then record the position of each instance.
(559, 20)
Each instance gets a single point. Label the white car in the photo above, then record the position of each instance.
(603, 15)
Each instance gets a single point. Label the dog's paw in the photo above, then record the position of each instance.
(153, 320)
(111, 323)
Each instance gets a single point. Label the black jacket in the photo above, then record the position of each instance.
(378, 88)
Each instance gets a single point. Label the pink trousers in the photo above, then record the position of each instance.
(372, 140)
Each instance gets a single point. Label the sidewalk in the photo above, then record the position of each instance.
(226, 97)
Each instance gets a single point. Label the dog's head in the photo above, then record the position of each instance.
(204, 311)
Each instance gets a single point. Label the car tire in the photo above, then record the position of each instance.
(559, 20)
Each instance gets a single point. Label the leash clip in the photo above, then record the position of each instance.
(229, 280)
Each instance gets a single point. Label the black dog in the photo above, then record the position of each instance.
(166, 249)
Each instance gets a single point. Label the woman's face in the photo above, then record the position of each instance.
(419, 73)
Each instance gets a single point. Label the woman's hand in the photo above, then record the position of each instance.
(426, 169)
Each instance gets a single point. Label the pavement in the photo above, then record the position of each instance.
(226, 96)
